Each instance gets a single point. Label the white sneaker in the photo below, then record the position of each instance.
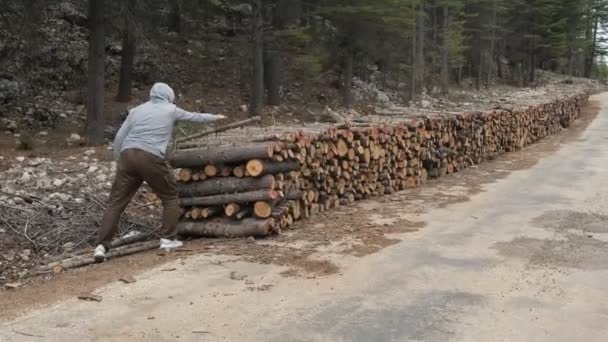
(100, 254)
(168, 245)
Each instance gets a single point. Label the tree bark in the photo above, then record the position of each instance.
(226, 185)
(287, 13)
(96, 73)
(272, 70)
(221, 155)
(492, 44)
(347, 78)
(591, 38)
(242, 197)
(174, 22)
(257, 39)
(128, 54)
(420, 41)
(445, 61)
(413, 72)
(220, 227)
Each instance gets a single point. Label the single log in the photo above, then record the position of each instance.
(79, 261)
(226, 171)
(195, 213)
(256, 167)
(184, 175)
(226, 185)
(341, 148)
(217, 130)
(129, 239)
(210, 170)
(243, 197)
(210, 212)
(245, 212)
(239, 171)
(221, 155)
(231, 209)
(220, 227)
(262, 209)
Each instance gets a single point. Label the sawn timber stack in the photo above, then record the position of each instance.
(257, 181)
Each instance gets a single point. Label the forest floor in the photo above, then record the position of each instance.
(53, 196)
(323, 251)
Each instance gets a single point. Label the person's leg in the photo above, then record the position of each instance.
(125, 186)
(159, 176)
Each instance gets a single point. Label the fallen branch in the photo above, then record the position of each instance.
(219, 129)
(79, 261)
(26, 334)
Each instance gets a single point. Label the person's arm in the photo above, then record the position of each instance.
(183, 115)
(120, 137)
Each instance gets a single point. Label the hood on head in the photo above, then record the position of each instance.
(162, 92)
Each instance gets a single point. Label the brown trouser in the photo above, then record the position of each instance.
(135, 167)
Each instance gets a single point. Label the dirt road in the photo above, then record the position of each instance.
(515, 250)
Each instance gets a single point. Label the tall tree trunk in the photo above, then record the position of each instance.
(175, 16)
(420, 32)
(287, 13)
(570, 71)
(347, 78)
(257, 82)
(498, 67)
(95, 85)
(490, 57)
(591, 39)
(445, 60)
(272, 77)
(128, 54)
(413, 72)
(479, 66)
(532, 70)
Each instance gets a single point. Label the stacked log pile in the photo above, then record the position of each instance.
(259, 183)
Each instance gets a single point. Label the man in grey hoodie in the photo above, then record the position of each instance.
(140, 147)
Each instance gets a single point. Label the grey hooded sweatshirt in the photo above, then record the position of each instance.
(149, 126)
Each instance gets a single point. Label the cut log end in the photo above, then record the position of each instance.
(255, 167)
(210, 170)
(232, 209)
(184, 175)
(262, 209)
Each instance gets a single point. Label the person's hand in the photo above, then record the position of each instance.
(220, 117)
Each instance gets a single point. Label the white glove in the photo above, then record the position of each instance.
(220, 117)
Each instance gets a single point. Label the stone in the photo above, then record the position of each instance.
(20, 159)
(89, 152)
(74, 139)
(60, 196)
(35, 162)
(68, 245)
(26, 177)
(59, 182)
